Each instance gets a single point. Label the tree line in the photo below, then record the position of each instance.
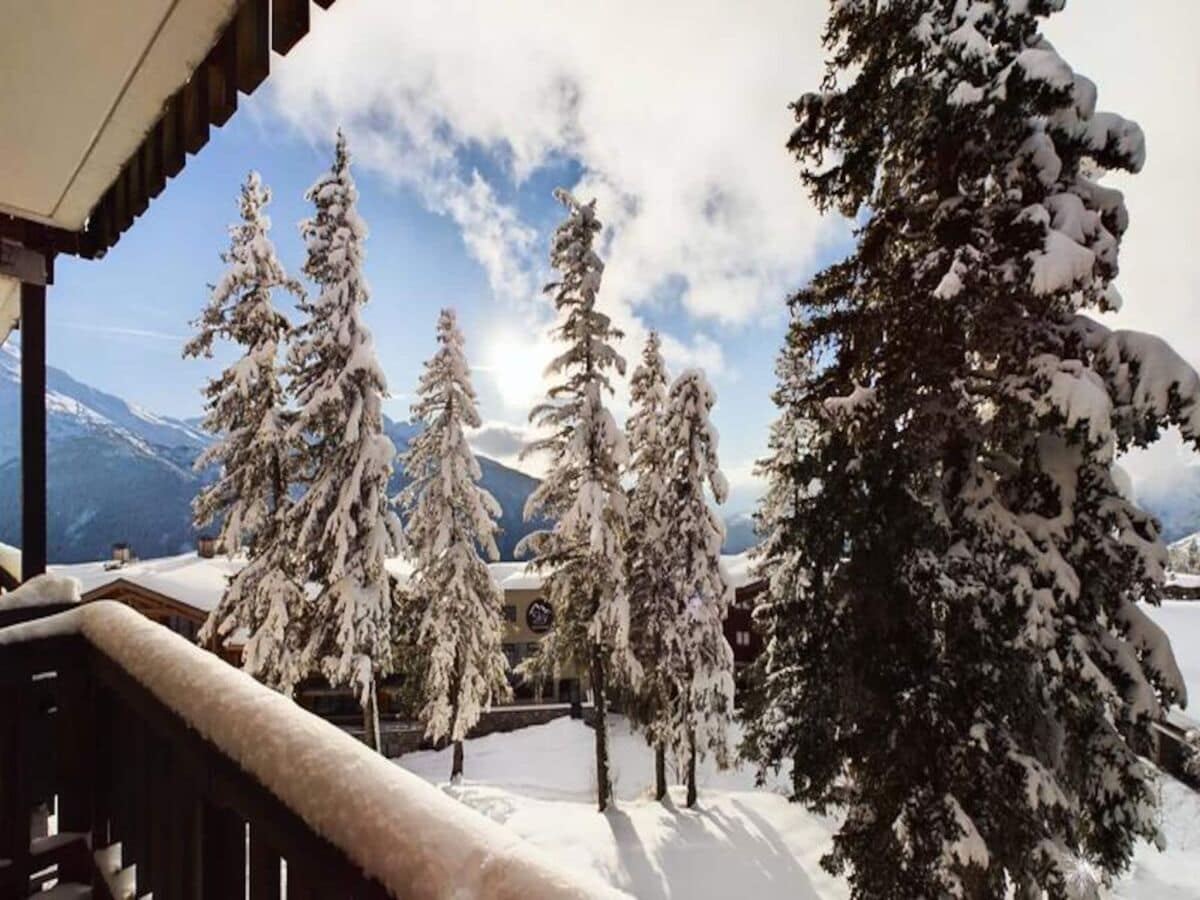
(304, 463)
(957, 658)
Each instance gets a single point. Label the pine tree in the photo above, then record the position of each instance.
(1193, 556)
(582, 555)
(458, 608)
(697, 657)
(652, 613)
(774, 695)
(343, 527)
(245, 410)
(977, 679)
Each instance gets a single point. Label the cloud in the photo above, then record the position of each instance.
(677, 127)
(498, 440)
(674, 116)
(123, 331)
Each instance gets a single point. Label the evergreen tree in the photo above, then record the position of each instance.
(1193, 556)
(697, 658)
(458, 608)
(244, 411)
(343, 527)
(582, 555)
(978, 681)
(652, 612)
(772, 697)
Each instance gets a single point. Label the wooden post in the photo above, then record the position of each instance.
(33, 430)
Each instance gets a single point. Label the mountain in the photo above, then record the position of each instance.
(118, 473)
(1175, 501)
(739, 533)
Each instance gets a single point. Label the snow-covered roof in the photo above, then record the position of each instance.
(515, 576)
(1185, 541)
(1183, 579)
(187, 578)
(199, 582)
(737, 570)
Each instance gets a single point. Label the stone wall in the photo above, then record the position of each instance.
(405, 737)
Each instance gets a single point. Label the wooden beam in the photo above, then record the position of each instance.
(221, 70)
(173, 153)
(252, 38)
(153, 177)
(138, 200)
(194, 103)
(239, 60)
(20, 262)
(103, 225)
(33, 430)
(289, 23)
(119, 205)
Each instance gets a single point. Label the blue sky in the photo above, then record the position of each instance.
(464, 116)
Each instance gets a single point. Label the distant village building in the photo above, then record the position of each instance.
(180, 592)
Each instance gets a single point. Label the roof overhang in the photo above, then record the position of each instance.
(102, 103)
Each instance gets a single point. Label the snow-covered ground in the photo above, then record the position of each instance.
(743, 841)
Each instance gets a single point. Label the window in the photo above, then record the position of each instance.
(742, 638)
(510, 612)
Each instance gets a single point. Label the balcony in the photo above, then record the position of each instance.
(173, 774)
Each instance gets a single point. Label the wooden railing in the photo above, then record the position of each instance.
(169, 813)
(180, 799)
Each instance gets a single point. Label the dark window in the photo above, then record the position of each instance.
(510, 612)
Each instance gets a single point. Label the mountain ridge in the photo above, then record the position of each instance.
(117, 473)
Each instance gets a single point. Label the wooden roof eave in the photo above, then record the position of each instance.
(238, 61)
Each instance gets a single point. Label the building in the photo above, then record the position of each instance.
(180, 591)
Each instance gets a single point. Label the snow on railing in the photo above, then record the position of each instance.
(38, 596)
(408, 836)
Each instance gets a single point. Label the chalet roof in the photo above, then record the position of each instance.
(188, 578)
(199, 581)
(103, 102)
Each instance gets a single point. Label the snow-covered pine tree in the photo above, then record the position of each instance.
(1193, 556)
(697, 657)
(582, 555)
(773, 694)
(449, 517)
(244, 411)
(652, 611)
(343, 526)
(979, 680)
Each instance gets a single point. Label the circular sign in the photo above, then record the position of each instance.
(539, 616)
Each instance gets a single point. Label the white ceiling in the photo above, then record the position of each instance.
(81, 83)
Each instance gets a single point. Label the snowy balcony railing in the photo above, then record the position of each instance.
(173, 773)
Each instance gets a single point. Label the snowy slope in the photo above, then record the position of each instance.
(74, 408)
(742, 842)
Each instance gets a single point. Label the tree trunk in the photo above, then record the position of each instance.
(456, 767)
(371, 735)
(600, 725)
(691, 769)
(660, 771)
(456, 764)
